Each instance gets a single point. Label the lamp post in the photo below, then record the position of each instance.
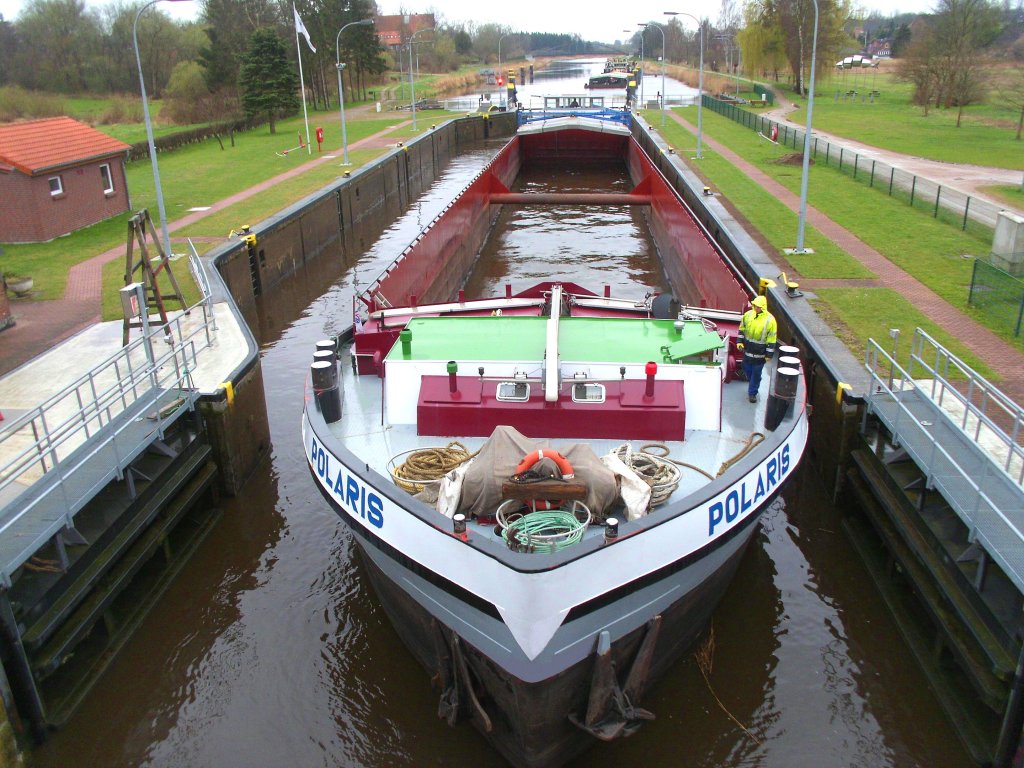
(412, 82)
(503, 91)
(658, 26)
(341, 92)
(802, 221)
(149, 127)
(700, 80)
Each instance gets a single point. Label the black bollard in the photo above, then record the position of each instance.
(325, 354)
(324, 374)
(781, 397)
(328, 345)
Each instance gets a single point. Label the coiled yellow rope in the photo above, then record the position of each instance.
(429, 464)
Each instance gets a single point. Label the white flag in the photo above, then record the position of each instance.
(301, 29)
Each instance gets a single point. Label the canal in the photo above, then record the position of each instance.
(271, 650)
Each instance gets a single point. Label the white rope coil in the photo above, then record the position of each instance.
(658, 472)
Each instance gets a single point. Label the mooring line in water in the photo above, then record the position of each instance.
(705, 659)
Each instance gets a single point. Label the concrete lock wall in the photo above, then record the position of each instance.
(342, 219)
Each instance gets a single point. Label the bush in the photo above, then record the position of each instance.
(18, 104)
(185, 93)
(122, 110)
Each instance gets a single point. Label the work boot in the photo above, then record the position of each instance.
(752, 398)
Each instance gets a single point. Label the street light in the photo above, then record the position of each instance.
(412, 82)
(807, 144)
(499, 63)
(700, 79)
(659, 28)
(341, 93)
(149, 127)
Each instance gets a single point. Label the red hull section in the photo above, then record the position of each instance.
(474, 410)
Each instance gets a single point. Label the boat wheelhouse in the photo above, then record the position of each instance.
(554, 564)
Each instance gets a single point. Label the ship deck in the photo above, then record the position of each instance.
(365, 430)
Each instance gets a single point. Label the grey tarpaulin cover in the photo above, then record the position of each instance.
(501, 454)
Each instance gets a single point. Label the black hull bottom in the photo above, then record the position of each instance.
(529, 724)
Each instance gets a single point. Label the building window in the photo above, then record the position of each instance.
(56, 186)
(108, 179)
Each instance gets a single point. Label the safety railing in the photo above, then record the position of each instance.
(982, 485)
(150, 375)
(984, 413)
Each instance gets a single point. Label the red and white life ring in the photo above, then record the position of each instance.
(546, 453)
(560, 461)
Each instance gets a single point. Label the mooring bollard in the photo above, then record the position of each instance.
(781, 396)
(324, 374)
(329, 345)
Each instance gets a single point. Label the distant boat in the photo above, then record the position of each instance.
(609, 80)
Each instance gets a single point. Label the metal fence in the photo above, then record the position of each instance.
(941, 202)
(998, 294)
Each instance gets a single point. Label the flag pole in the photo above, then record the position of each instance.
(302, 83)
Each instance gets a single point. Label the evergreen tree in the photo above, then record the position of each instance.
(269, 83)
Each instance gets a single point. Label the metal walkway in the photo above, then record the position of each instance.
(964, 435)
(59, 455)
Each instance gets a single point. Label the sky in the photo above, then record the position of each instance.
(572, 16)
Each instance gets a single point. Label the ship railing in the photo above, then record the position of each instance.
(953, 424)
(605, 114)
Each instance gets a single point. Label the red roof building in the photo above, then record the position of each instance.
(393, 31)
(58, 175)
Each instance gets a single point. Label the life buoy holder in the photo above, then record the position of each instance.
(560, 461)
(546, 453)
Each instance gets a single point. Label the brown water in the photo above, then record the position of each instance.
(270, 649)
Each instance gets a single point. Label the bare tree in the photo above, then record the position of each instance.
(945, 63)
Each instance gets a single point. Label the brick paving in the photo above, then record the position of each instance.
(41, 325)
(1000, 356)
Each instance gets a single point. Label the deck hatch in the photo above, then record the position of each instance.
(588, 393)
(513, 392)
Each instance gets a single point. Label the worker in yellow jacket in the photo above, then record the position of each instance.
(757, 336)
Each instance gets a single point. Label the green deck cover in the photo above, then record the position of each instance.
(584, 339)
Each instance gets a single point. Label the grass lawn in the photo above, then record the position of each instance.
(985, 136)
(857, 314)
(1011, 196)
(930, 250)
(771, 218)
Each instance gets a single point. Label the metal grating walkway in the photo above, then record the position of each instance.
(966, 456)
(48, 506)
